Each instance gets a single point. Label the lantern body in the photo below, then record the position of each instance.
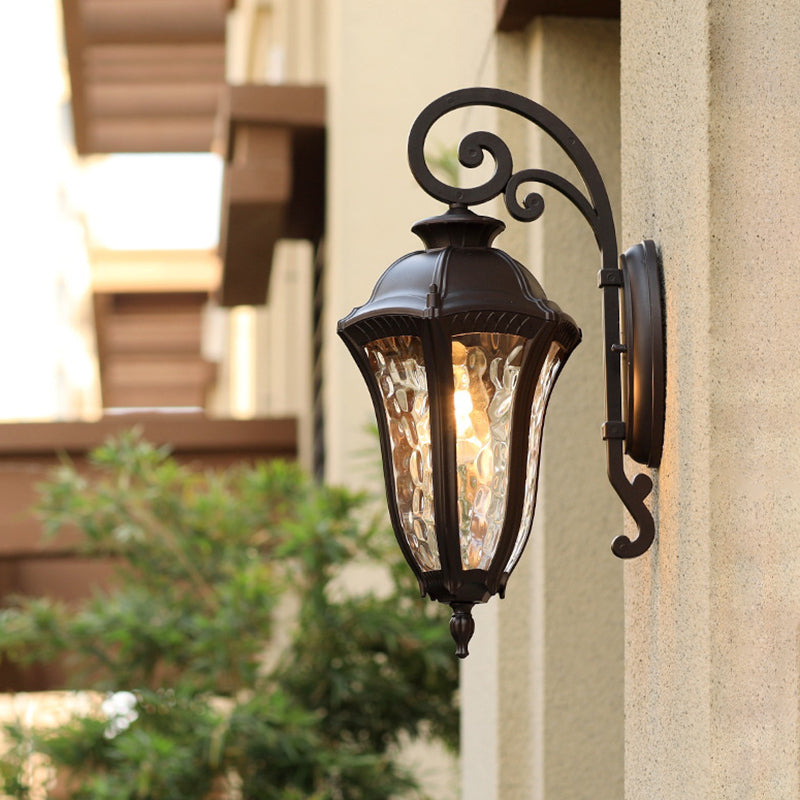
(460, 349)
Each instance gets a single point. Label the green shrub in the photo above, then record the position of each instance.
(229, 636)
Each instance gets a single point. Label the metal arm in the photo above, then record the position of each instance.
(594, 206)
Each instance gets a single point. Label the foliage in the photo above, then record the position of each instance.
(244, 659)
(445, 163)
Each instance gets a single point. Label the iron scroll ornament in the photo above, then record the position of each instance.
(635, 274)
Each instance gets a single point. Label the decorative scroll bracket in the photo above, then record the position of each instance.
(634, 363)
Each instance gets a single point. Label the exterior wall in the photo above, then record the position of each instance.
(542, 690)
(710, 117)
(386, 64)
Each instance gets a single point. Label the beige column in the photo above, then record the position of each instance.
(710, 120)
(543, 696)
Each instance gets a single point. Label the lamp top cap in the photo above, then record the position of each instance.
(458, 227)
(459, 273)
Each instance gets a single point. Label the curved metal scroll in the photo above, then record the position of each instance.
(596, 210)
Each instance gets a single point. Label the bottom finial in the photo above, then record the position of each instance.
(462, 626)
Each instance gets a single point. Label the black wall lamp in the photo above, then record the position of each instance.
(460, 349)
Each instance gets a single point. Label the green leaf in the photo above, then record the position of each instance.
(231, 621)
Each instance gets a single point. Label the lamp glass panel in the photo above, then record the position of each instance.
(485, 372)
(547, 378)
(398, 364)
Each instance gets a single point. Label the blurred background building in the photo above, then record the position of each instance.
(282, 125)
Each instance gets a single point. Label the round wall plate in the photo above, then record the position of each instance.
(644, 362)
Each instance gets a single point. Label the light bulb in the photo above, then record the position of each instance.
(462, 406)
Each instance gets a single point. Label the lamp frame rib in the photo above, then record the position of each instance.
(636, 276)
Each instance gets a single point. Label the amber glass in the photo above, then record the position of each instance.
(547, 378)
(485, 372)
(398, 365)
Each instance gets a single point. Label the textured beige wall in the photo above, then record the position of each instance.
(543, 696)
(710, 114)
(542, 690)
(581, 588)
(387, 61)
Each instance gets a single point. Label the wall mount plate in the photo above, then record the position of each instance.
(644, 358)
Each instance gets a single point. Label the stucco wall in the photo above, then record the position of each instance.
(710, 111)
(379, 80)
(387, 61)
(542, 691)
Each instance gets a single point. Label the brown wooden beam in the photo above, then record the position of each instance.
(280, 104)
(186, 433)
(141, 380)
(169, 370)
(274, 143)
(152, 99)
(106, 55)
(514, 15)
(248, 237)
(153, 20)
(167, 332)
(256, 192)
(144, 73)
(30, 450)
(154, 63)
(165, 134)
(266, 183)
(150, 349)
(63, 579)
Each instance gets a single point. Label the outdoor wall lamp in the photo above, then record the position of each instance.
(460, 349)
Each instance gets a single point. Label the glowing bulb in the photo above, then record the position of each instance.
(462, 405)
